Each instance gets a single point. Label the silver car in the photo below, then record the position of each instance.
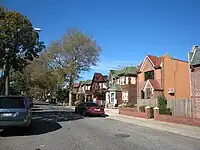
(15, 111)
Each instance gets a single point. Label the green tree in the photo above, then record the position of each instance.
(73, 54)
(19, 42)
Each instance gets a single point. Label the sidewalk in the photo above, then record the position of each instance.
(185, 130)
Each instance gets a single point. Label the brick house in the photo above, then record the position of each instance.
(99, 86)
(194, 60)
(162, 76)
(82, 88)
(122, 86)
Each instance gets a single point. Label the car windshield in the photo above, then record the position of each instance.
(91, 104)
(12, 102)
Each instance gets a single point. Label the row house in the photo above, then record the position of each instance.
(99, 87)
(194, 61)
(95, 88)
(162, 76)
(82, 89)
(122, 87)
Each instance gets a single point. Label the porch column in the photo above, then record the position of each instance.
(70, 98)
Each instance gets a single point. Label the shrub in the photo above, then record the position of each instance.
(116, 105)
(165, 111)
(162, 102)
(142, 108)
(120, 106)
(131, 105)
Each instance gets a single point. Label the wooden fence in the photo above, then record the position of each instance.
(149, 102)
(180, 107)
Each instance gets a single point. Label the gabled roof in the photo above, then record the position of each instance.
(155, 84)
(76, 85)
(194, 56)
(98, 77)
(155, 61)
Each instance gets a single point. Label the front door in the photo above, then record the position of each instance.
(112, 97)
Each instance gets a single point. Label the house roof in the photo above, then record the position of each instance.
(76, 85)
(115, 87)
(155, 84)
(88, 82)
(115, 72)
(126, 71)
(98, 77)
(194, 56)
(155, 60)
(82, 83)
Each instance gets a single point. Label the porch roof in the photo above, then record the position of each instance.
(154, 84)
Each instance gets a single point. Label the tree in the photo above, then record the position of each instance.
(74, 53)
(19, 42)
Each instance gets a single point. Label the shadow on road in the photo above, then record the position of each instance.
(43, 122)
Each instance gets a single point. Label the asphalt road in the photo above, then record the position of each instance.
(57, 128)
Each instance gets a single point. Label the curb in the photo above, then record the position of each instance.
(175, 130)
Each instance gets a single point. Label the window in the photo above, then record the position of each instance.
(127, 80)
(12, 102)
(91, 104)
(125, 95)
(122, 82)
(133, 80)
(149, 75)
(142, 94)
(148, 93)
(112, 97)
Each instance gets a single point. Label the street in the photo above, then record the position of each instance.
(58, 128)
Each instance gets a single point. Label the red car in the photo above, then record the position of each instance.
(89, 108)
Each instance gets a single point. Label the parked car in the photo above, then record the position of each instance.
(89, 108)
(15, 111)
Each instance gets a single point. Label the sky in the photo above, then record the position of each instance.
(126, 30)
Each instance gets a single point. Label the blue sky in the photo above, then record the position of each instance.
(127, 30)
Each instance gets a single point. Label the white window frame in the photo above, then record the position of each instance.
(112, 99)
(125, 95)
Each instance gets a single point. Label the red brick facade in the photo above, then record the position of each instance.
(133, 112)
(195, 90)
(119, 97)
(132, 92)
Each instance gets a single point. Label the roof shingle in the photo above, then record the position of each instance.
(155, 84)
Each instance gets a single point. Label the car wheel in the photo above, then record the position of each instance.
(28, 128)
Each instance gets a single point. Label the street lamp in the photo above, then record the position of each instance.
(6, 51)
